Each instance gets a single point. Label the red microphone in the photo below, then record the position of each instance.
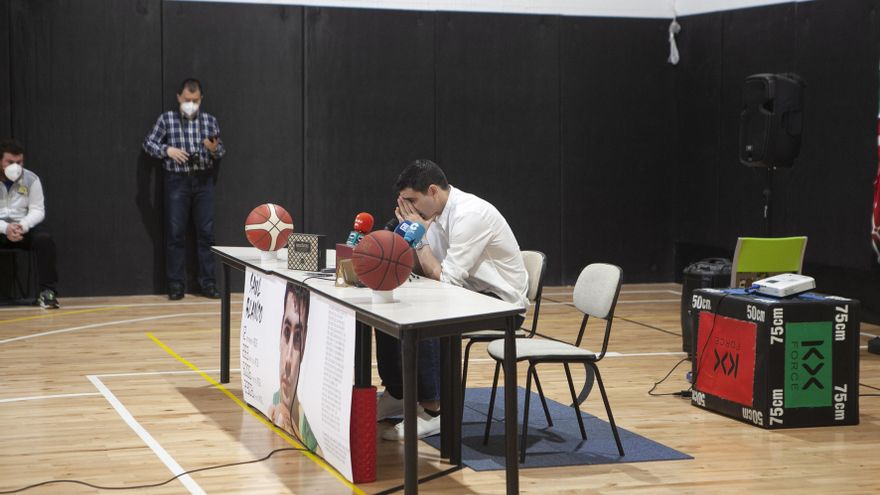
(363, 224)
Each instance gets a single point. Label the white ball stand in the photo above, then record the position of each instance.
(267, 257)
(383, 296)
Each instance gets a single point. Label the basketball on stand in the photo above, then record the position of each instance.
(268, 226)
(382, 260)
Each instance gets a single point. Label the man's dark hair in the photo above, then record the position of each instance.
(191, 84)
(11, 146)
(419, 175)
(300, 295)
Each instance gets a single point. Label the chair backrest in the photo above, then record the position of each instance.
(595, 294)
(536, 266)
(596, 290)
(759, 257)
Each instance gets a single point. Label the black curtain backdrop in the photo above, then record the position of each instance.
(576, 128)
(497, 81)
(616, 147)
(369, 111)
(5, 75)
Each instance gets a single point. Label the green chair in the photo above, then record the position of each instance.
(760, 257)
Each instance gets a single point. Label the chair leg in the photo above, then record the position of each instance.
(491, 403)
(608, 409)
(17, 285)
(464, 372)
(574, 401)
(541, 395)
(525, 423)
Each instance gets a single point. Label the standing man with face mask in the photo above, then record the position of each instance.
(21, 211)
(188, 142)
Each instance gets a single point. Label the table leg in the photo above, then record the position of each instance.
(457, 400)
(363, 355)
(224, 327)
(445, 397)
(510, 408)
(409, 354)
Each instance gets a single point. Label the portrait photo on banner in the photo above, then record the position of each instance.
(297, 355)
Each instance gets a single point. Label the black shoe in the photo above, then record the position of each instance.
(210, 292)
(175, 292)
(48, 300)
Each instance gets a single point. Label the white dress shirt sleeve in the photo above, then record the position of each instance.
(467, 243)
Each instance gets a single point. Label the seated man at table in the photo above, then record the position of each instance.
(468, 243)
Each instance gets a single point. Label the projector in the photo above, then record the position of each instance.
(784, 285)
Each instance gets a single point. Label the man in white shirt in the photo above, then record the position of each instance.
(468, 243)
(21, 211)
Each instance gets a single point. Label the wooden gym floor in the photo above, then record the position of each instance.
(100, 391)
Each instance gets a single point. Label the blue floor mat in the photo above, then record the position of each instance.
(559, 445)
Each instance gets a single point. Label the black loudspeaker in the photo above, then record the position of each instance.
(771, 121)
(712, 273)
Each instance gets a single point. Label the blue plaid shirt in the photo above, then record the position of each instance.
(173, 130)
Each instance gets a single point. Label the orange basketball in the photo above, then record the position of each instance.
(382, 260)
(268, 226)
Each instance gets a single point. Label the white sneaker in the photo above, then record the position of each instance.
(426, 426)
(388, 407)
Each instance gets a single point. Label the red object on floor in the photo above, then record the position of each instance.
(363, 434)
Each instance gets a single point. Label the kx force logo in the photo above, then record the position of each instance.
(729, 360)
(809, 351)
(814, 357)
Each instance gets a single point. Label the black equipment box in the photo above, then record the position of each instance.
(708, 273)
(777, 362)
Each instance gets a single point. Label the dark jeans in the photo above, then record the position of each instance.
(187, 194)
(39, 241)
(388, 361)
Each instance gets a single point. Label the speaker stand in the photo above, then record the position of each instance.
(768, 203)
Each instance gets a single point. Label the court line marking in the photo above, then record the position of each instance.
(637, 301)
(317, 460)
(640, 291)
(151, 442)
(150, 373)
(54, 313)
(56, 396)
(132, 305)
(105, 324)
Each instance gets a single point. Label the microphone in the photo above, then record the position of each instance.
(392, 224)
(363, 223)
(414, 234)
(402, 228)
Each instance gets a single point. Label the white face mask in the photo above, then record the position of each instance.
(189, 108)
(13, 171)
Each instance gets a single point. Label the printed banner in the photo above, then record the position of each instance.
(726, 358)
(297, 364)
(325, 394)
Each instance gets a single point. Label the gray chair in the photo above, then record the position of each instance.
(536, 266)
(595, 294)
